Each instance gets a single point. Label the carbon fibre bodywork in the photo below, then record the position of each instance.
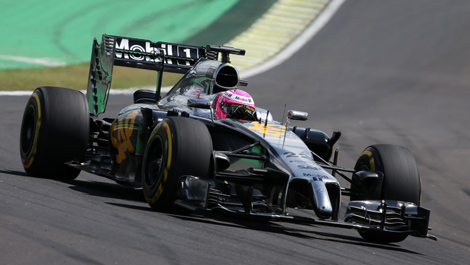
(261, 168)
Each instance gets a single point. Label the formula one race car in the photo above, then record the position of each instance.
(185, 156)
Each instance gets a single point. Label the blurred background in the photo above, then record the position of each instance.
(49, 42)
(393, 72)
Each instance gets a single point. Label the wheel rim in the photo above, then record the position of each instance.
(155, 162)
(28, 131)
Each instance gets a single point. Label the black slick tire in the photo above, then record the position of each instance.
(401, 181)
(54, 130)
(178, 146)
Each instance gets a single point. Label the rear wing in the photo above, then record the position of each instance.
(143, 54)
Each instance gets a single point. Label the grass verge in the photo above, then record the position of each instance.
(76, 77)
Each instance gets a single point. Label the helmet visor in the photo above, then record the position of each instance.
(238, 111)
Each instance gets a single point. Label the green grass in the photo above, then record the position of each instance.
(76, 77)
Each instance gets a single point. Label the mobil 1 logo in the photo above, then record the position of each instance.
(143, 50)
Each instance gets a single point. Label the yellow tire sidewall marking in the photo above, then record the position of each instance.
(371, 159)
(166, 170)
(30, 158)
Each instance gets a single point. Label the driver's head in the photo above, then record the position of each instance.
(235, 103)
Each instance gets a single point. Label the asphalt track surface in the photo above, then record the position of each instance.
(381, 72)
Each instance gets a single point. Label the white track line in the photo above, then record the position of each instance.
(128, 91)
(41, 61)
(299, 42)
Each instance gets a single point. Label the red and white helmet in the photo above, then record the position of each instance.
(234, 103)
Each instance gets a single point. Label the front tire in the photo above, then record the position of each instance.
(177, 146)
(401, 182)
(54, 130)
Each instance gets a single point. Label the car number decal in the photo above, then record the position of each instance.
(269, 129)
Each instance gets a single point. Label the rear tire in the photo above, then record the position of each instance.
(177, 146)
(54, 130)
(401, 182)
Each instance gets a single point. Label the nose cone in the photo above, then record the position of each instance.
(321, 200)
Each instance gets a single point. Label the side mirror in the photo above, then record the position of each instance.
(199, 103)
(297, 115)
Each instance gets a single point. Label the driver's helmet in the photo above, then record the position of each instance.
(234, 103)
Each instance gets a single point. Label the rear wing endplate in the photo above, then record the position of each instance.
(143, 54)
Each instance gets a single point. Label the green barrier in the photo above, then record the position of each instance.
(57, 32)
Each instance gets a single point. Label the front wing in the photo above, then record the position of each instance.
(378, 215)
